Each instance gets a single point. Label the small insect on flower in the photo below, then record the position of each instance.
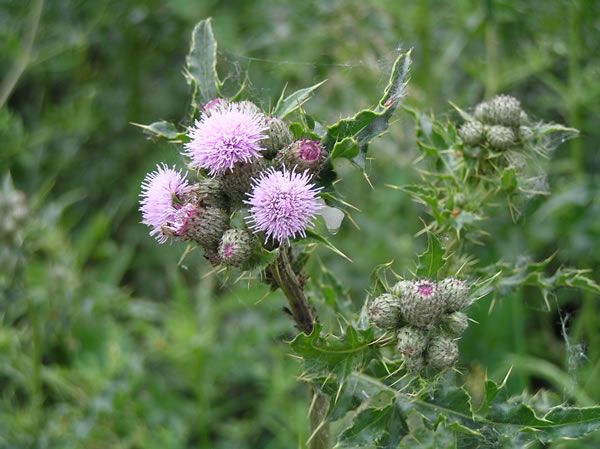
(231, 133)
(162, 194)
(282, 204)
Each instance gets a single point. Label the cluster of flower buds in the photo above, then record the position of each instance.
(498, 124)
(247, 160)
(428, 316)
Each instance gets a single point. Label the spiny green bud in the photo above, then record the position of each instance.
(472, 132)
(500, 137)
(455, 323)
(400, 288)
(384, 312)
(278, 137)
(414, 364)
(237, 182)
(504, 110)
(235, 247)
(525, 133)
(421, 304)
(482, 112)
(442, 352)
(412, 341)
(209, 192)
(455, 294)
(304, 154)
(205, 225)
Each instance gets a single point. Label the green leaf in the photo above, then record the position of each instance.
(289, 104)
(201, 69)
(346, 148)
(324, 354)
(432, 259)
(162, 129)
(509, 179)
(260, 258)
(368, 124)
(317, 238)
(569, 422)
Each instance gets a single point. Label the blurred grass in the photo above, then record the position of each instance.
(134, 352)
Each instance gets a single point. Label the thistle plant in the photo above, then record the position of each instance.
(256, 181)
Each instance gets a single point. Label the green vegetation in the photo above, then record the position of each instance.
(105, 341)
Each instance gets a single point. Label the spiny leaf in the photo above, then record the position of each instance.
(162, 129)
(368, 124)
(313, 236)
(289, 104)
(432, 259)
(201, 70)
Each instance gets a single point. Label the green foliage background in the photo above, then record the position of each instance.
(105, 342)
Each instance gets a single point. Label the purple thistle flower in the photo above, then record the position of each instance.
(159, 189)
(229, 134)
(283, 204)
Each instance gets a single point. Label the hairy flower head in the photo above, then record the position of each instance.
(282, 204)
(230, 134)
(160, 189)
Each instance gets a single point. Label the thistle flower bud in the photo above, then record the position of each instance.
(500, 137)
(278, 137)
(400, 288)
(523, 118)
(209, 192)
(414, 364)
(13, 209)
(472, 133)
(238, 181)
(384, 312)
(525, 133)
(455, 323)
(412, 341)
(422, 305)
(504, 110)
(442, 352)
(455, 294)
(205, 225)
(482, 112)
(304, 155)
(235, 247)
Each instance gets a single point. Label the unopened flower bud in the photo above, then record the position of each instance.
(414, 364)
(442, 352)
(422, 305)
(500, 137)
(235, 247)
(523, 118)
(504, 110)
(400, 288)
(304, 154)
(238, 181)
(455, 323)
(472, 133)
(278, 137)
(209, 192)
(525, 133)
(455, 293)
(384, 312)
(481, 112)
(412, 341)
(205, 225)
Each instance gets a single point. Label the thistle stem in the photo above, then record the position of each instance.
(304, 317)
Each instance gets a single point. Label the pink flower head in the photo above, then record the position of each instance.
(160, 189)
(229, 134)
(283, 204)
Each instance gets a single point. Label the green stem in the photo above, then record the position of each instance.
(304, 317)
